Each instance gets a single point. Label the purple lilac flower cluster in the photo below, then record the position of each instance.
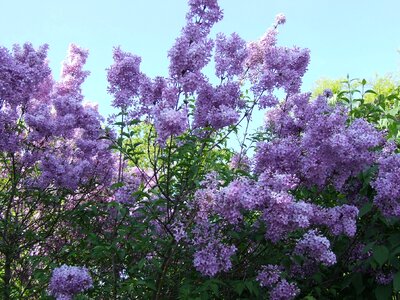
(79, 155)
(315, 247)
(270, 66)
(384, 278)
(60, 134)
(315, 143)
(124, 78)
(67, 281)
(270, 276)
(131, 184)
(212, 255)
(230, 54)
(284, 291)
(160, 100)
(387, 186)
(29, 66)
(217, 107)
(280, 211)
(339, 219)
(192, 50)
(23, 73)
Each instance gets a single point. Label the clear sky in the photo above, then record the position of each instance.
(359, 37)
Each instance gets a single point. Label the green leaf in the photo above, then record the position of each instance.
(214, 288)
(394, 239)
(239, 287)
(134, 122)
(365, 209)
(141, 263)
(357, 282)
(117, 185)
(396, 282)
(381, 254)
(250, 286)
(383, 292)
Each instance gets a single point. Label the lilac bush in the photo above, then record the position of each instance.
(313, 145)
(206, 219)
(159, 206)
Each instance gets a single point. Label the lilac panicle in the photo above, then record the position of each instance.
(256, 51)
(284, 291)
(383, 278)
(76, 156)
(282, 68)
(231, 200)
(72, 73)
(269, 66)
(339, 219)
(315, 247)
(387, 186)
(315, 142)
(205, 13)
(218, 107)
(269, 275)
(67, 281)
(192, 50)
(124, 78)
(190, 53)
(170, 122)
(214, 258)
(230, 53)
(21, 73)
(280, 19)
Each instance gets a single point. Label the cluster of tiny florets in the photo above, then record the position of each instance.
(67, 281)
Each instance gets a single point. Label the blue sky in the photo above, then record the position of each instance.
(345, 36)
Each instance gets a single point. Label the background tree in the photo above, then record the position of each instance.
(51, 161)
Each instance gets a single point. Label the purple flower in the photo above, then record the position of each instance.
(205, 13)
(229, 56)
(280, 19)
(314, 142)
(179, 231)
(67, 281)
(328, 93)
(72, 74)
(233, 199)
(22, 73)
(284, 291)
(124, 78)
(282, 68)
(384, 278)
(212, 254)
(213, 258)
(170, 122)
(269, 275)
(218, 107)
(387, 187)
(188, 56)
(316, 248)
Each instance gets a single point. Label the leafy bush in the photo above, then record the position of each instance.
(158, 206)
